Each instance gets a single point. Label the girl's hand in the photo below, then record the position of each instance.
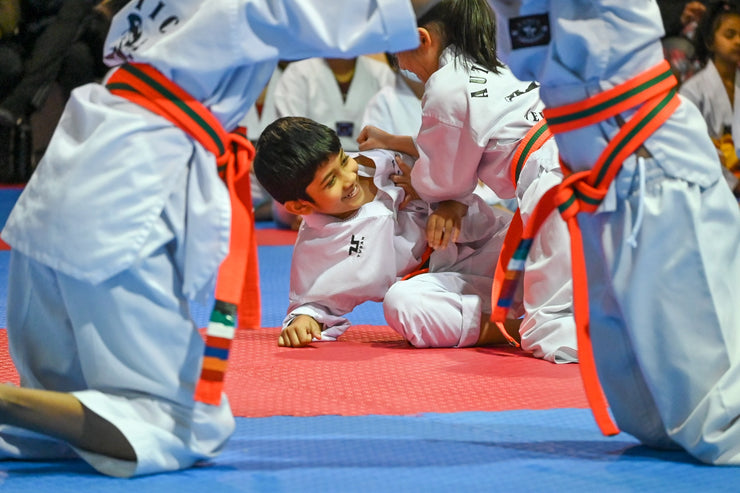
(403, 180)
(443, 226)
(373, 138)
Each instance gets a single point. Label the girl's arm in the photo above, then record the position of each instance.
(374, 138)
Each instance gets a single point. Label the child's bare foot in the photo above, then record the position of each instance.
(491, 334)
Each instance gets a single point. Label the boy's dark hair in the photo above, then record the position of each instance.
(289, 151)
(469, 26)
(708, 26)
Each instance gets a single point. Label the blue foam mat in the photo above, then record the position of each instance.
(274, 269)
(545, 451)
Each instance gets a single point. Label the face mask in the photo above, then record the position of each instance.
(410, 75)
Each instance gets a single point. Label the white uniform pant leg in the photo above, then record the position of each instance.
(548, 327)
(128, 349)
(47, 354)
(664, 315)
(441, 309)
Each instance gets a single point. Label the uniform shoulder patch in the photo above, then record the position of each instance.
(529, 30)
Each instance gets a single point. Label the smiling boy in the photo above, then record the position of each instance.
(357, 242)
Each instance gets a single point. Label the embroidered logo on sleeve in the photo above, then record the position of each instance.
(147, 20)
(356, 244)
(530, 30)
(519, 92)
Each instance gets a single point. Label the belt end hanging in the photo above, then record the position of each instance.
(219, 335)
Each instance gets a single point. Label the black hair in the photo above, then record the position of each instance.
(289, 151)
(709, 24)
(469, 26)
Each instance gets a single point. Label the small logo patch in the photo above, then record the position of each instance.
(345, 129)
(356, 245)
(530, 30)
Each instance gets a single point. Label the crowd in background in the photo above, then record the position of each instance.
(47, 48)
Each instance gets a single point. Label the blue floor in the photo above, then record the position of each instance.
(544, 451)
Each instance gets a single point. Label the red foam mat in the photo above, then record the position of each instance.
(373, 371)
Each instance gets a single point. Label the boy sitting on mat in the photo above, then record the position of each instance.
(360, 236)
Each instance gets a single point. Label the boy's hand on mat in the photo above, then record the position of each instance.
(301, 331)
(443, 225)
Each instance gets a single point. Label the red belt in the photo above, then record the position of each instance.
(653, 92)
(238, 282)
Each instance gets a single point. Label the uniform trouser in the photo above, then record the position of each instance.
(665, 314)
(441, 309)
(128, 350)
(548, 329)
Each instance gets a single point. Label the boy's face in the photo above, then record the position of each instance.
(336, 189)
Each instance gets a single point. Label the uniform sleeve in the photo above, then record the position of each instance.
(334, 326)
(309, 297)
(447, 164)
(338, 265)
(377, 113)
(195, 35)
(318, 281)
(302, 28)
(693, 91)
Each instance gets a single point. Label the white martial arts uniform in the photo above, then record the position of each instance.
(472, 123)
(126, 218)
(338, 264)
(706, 90)
(308, 88)
(395, 109)
(665, 313)
(255, 122)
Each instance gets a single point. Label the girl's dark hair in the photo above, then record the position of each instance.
(708, 26)
(469, 26)
(289, 151)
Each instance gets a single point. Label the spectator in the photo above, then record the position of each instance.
(44, 43)
(680, 19)
(261, 114)
(714, 89)
(332, 91)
